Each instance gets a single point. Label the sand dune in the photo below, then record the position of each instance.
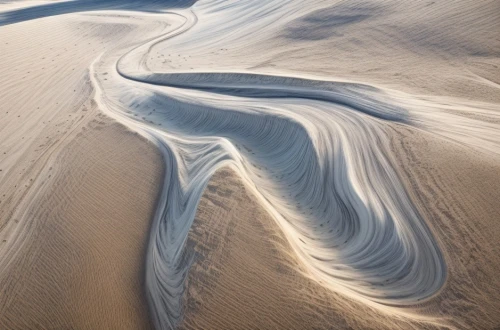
(318, 153)
(301, 145)
(74, 214)
(79, 263)
(282, 142)
(231, 238)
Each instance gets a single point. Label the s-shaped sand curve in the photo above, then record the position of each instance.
(315, 155)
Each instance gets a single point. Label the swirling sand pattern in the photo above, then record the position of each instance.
(313, 152)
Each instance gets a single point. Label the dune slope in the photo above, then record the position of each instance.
(315, 123)
(74, 210)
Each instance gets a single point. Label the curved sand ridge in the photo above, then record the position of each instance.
(313, 152)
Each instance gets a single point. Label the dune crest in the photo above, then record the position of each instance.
(312, 151)
(315, 152)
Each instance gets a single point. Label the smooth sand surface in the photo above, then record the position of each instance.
(344, 122)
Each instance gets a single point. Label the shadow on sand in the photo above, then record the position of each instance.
(67, 7)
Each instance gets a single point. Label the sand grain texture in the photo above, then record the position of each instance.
(363, 141)
(80, 267)
(74, 214)
(245, 275)
(457, 191)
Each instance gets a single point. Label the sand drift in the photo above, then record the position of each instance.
(319, 155)
(313, 152)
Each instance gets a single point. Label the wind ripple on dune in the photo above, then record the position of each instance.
(313, 152)
(315, 155)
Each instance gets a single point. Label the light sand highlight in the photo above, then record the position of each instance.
(232, 237)
(307, 149)
(246, 276)
(317, 151)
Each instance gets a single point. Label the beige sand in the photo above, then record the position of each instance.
(77, 191)
(426, 50)
(245, 275)
(457, 191)
(81, 267)
(252, 270)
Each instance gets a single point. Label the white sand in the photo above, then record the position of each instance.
(236, 84)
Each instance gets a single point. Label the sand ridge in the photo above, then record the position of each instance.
(299, 134)
(245, 275)
(315, 150)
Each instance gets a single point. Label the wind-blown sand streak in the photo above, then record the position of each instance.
(315, 153)
(312, 163)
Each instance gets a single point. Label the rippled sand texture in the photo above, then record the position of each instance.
(239, 249)
(77, 190)
(318, 108)
(79, 263)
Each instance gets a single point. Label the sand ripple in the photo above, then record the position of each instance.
(313, 152)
